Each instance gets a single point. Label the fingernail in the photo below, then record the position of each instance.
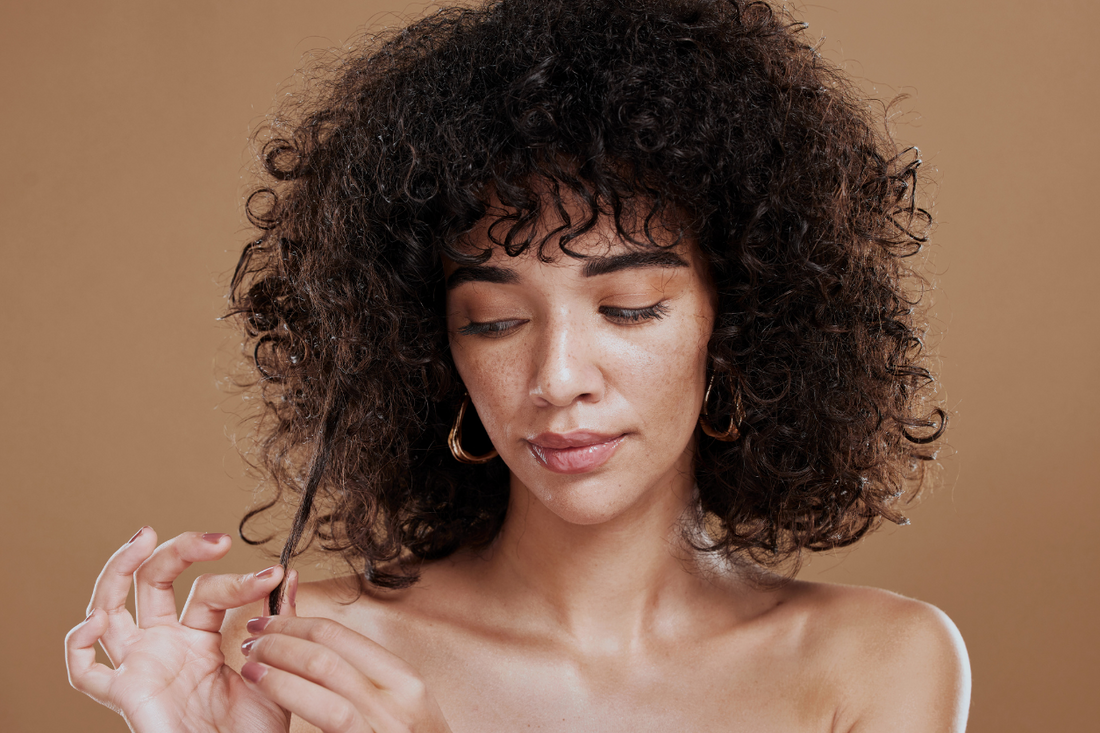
(214, 537)
(257, 625)
(136, 535)
(268, 572)
(253, 671)
(89, 616)
(292, 596)
(246, 647)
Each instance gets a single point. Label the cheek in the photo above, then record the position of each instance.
(494, 379)
(474, 369)
(665, 378)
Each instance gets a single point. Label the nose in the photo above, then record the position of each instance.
(566, 367)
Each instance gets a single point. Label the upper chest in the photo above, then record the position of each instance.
(741, 682)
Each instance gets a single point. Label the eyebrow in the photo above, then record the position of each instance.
(481, 274)
(593, 266)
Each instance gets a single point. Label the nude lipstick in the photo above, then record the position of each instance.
(577, 452)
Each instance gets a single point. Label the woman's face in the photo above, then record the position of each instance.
(588, 374)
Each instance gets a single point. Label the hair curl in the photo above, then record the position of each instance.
(720, 109)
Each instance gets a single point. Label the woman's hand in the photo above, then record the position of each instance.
(336, 679)
(170, 674)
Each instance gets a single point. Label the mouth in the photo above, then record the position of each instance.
(576, 452)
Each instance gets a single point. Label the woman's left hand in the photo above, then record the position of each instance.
(336, 679)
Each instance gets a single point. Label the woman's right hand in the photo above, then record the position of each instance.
(170, 674)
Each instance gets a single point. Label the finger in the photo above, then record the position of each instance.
(212, 595)
(310, 661)
(289, 606)
(383, 668)
(85, 673)
(311, 702)
(155, 600)
(113, 586)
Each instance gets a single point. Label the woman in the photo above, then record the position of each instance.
(658, 247)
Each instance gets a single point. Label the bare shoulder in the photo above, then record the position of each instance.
(903, 661)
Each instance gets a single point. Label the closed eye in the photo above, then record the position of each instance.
(492, 329)
(624, 316)
(634, 315)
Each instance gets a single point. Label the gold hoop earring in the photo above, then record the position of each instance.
(733, 432)
(454, 440)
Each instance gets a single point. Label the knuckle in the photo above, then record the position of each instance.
(203, 582)
(70, 638)
(206, 589)
(345, 718)
(147, 574)
(414, 689)
(413, 695)
(321, 665)
(324, 632)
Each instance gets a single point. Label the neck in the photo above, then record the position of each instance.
(605, 585)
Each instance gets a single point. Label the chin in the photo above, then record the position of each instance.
(583, 515)
(587, 502)
(602, 495)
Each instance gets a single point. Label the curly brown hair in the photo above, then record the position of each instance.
(720, 109)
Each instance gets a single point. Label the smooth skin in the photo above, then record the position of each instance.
(587, 613)
(169, 674)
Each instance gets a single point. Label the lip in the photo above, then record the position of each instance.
(579, 451)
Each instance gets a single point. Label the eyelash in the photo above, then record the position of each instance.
(623, 316)
(654, 312)
(491, 329)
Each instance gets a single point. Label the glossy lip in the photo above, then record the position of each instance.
(579, 451)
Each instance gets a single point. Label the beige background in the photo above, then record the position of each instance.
(123, 161)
